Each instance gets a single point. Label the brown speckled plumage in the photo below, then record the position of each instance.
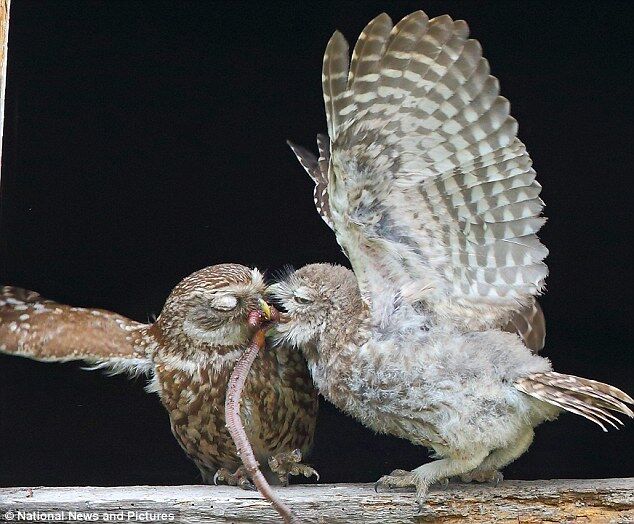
(278, 380)
(188, 353)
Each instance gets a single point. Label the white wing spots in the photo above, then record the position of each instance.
(392, 73)
(369, 78)
(361, 98)
(348, 109)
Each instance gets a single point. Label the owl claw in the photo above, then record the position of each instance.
(443, 484)
(405, 481)
(492, 477)
(289, 463)
(239, 478)
(399, 478)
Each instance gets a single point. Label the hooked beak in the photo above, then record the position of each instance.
(266, 309)
(269, 312)
(265, 317)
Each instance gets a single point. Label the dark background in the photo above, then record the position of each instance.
(144, 141)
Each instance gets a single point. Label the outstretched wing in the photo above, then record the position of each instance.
(430, 193)
(34, 327)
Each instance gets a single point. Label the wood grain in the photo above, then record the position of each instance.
(600, 501)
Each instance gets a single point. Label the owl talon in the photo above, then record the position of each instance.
(398, 479)
(491, 477)
(245, 484)
(239, 478)
(443, 484)
(289, 463)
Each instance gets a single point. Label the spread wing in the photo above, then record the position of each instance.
(34, 327)
(429, 191)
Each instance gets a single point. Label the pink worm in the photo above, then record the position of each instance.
(236, 429)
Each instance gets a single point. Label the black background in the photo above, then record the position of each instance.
(144, 141)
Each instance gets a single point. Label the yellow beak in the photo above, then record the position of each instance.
(266, 309)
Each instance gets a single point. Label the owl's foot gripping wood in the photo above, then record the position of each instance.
(289, 463)
(491, 477)
(398, 479)
(438, 471)
(405, 480)
(240, 477)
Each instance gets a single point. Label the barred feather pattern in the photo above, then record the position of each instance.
(588, 398)
(314, 167)
(429, 191)
(529, 323)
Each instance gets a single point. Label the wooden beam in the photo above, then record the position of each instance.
(596, 501)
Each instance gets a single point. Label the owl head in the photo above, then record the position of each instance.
(212, 306)
(317, 298)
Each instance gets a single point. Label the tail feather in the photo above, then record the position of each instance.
(588, 398)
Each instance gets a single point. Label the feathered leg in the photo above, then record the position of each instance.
(438, 470)
(488, 470)
(427, 474)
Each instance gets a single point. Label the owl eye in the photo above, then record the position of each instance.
(225, 303)
(302, 299)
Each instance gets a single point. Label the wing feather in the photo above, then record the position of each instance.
(430, 192)
(314, 167)
(335, 80)
(41, 329)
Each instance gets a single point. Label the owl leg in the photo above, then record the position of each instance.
(426, 475)
(442, 469)
(488, 470)
(240, 478)
(289, 463)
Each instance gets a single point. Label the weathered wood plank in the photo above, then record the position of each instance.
(600, 501)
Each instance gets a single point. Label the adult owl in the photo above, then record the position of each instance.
(188, 353)
(433, 199)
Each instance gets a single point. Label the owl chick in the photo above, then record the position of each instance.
(188, 353)
(472, 397)
(433, 199)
